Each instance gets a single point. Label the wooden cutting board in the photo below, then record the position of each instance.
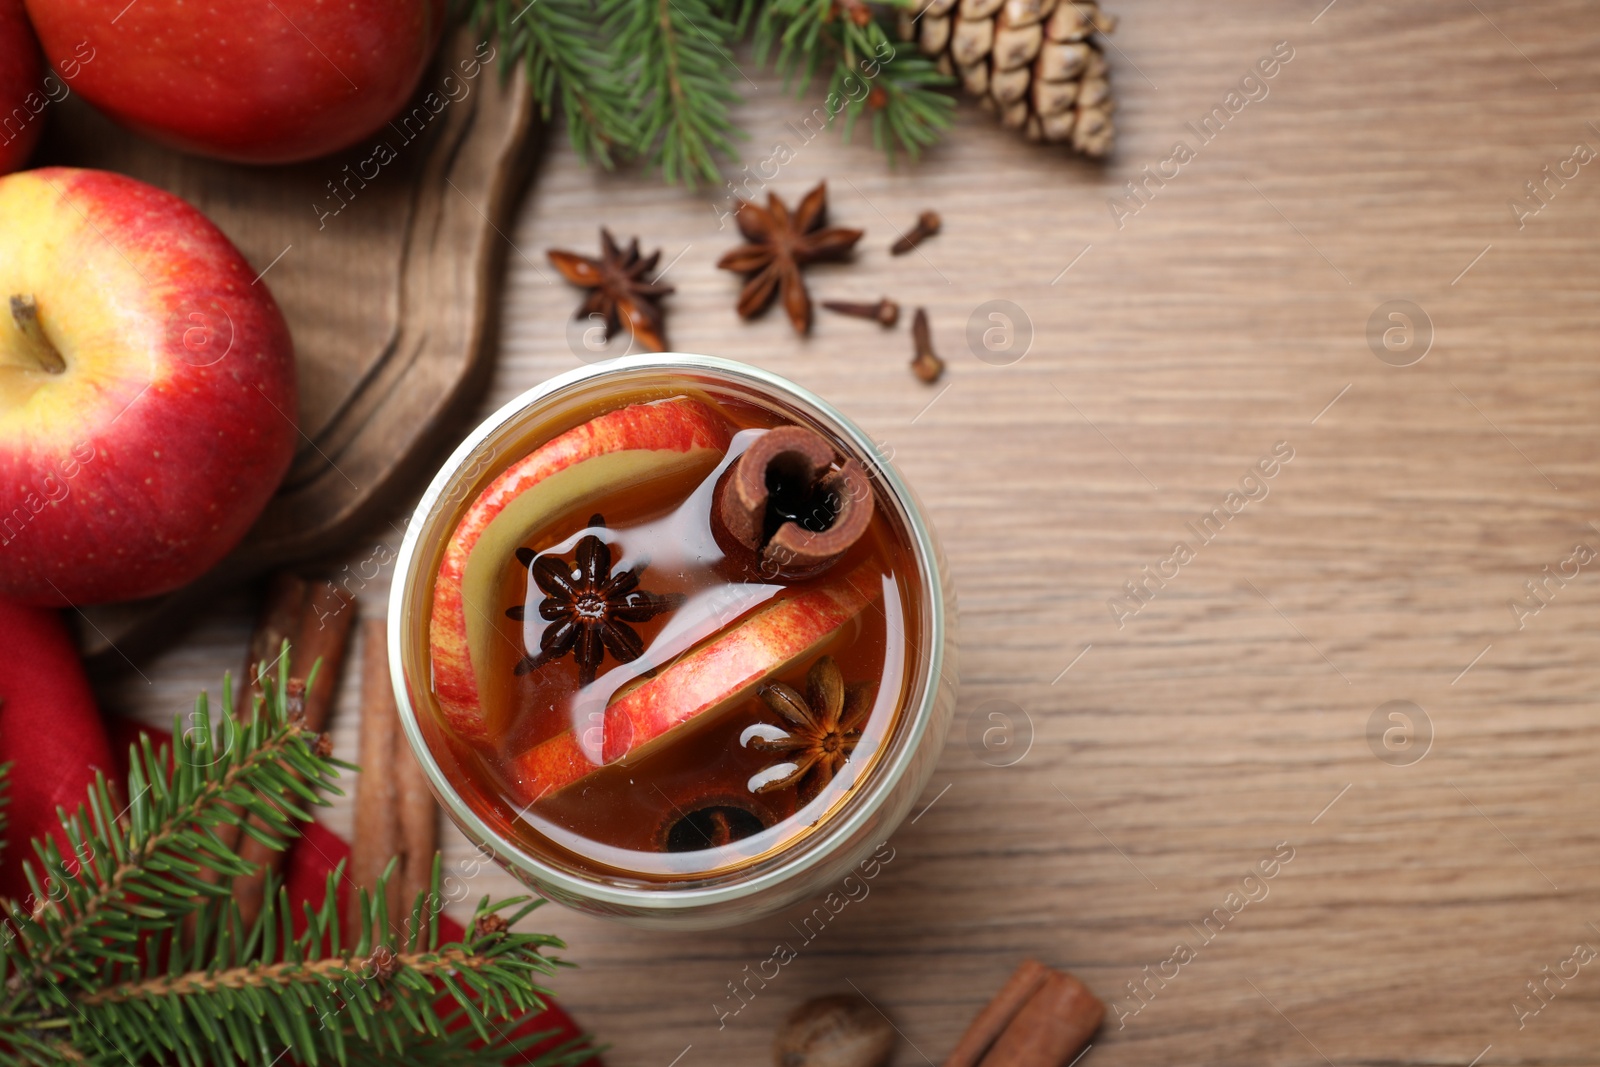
(386, 260)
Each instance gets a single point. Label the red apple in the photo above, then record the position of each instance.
(606, 455)
(22, 96)
(693, 689)
(147, 394)
(255, 83)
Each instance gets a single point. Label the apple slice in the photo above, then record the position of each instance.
(712, 678)
(609, 454)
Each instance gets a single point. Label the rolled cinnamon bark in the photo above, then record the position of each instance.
(419, 819)
(785, 468)
(998, 1013)
(1051, 1028)
(322, 615)
(324, 637)
(279, 621)
(376, 838)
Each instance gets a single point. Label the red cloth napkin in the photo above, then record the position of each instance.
(52, 733)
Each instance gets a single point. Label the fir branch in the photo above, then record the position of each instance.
(461, 1048)
(321, 994)
(569, 62)
(101, 967)
(139, 868)
(653, 80)
(869, 73)
(346, 967)
(681, 74)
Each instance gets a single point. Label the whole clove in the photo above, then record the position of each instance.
(925, 364)
(926, 226)
(885, 312)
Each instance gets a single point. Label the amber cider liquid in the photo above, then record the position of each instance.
(667, 816)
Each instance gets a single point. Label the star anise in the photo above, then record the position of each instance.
(823, 727)
(618, 289)
(588, 608)
(780, 244)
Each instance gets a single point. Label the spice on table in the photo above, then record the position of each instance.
(376, 837)
(783, 501)
(981, 1033)
(885, 312)
(925, 364)
(843, 1030)
(926, 226)
(778, 245)
(821, 728)
(396, 815)
(314, 616)
(1041, 1017)
(620, 289)
(419, 813)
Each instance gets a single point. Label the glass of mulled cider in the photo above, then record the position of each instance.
(672, 641)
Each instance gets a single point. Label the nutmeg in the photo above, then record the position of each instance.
(843, 1030)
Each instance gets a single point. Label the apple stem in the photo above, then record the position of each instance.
(25, 313)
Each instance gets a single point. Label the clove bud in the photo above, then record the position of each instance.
(925, 364)
(926, 226)
(885, 312)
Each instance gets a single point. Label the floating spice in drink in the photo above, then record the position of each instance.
(673, 636)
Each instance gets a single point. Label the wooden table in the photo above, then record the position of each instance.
(1236, 714)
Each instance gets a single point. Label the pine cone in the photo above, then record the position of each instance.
(1035, 62)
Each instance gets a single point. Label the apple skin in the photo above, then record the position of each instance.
(253, 83)
(21, 76)
(136, 468)
(646, 440)
(715, 676)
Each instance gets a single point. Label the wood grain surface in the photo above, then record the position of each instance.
(1232, 719)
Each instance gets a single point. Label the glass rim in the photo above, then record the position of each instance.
(841, 828)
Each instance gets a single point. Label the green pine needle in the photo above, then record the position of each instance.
(869, 72)
(675, 54)
(567, 61)
(125, 953)
(654, 81)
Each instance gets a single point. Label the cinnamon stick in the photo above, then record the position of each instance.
(998, 1013)
(324, 635)
(376, 837)
(396, 814)
(419, 818)
(278, 621)
(1055, 1023)
(315, 617)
